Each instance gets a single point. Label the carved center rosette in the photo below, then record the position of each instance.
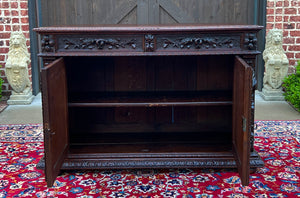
(250, 41)
(47, 43)
(149, 43)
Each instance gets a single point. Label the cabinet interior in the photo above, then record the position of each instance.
(156, 104)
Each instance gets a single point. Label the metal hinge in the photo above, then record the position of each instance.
(244, 124)
(47, 130)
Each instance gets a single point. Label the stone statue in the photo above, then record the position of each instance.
(276, 62)
(276, 66)
(16, 69)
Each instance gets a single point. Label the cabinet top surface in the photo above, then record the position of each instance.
(147, 28)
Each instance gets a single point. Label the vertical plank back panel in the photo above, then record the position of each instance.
(72, 12)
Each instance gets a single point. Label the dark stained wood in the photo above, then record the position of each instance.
(152, 96)
(148, 104)
(151, 99)
(168, 40)
(125, 28)
(55, 114)
(155, 119)
(242, 116)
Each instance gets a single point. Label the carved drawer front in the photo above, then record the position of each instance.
(148, 42)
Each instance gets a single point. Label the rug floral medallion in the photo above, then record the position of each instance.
(278, 143)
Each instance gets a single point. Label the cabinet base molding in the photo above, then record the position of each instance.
(225, 161)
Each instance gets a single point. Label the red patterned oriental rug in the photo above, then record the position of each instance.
(278, 143)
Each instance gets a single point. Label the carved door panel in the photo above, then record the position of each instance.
(241, 117)
(55, 115)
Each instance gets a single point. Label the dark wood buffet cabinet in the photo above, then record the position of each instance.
(161, 96)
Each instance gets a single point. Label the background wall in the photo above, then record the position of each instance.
(13, 17)
(285, 14)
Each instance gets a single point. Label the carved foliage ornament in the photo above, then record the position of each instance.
(250, 41)
(200, 42)
(151, 42)
(99, 43)
(47, 43)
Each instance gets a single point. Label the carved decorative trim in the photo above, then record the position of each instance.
(149, 43)
(47, 43)
(250, 41)
(97, 43)
(201, 42)
(91, 164)
(147, 164)
(255, 162)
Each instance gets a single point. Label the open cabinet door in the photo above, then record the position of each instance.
(241, 117)
(55, 115)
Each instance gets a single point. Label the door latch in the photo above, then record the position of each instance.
(47, 130)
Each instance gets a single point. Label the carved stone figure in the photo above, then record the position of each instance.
(16, 70)
(276, 66)
(276, 62)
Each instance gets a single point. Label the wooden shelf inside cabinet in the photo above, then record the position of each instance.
(220, 136)
(155, 149)
(151, 99)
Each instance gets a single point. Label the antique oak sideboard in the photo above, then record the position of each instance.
(125, 96)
